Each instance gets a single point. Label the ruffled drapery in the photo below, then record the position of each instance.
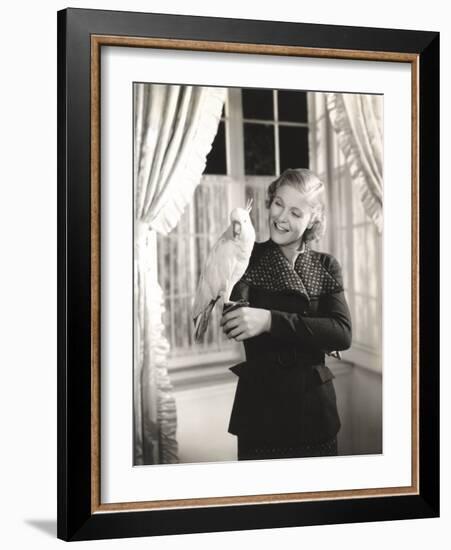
(358, 121)
(174, 130)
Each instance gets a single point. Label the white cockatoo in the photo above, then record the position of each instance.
(225, 265)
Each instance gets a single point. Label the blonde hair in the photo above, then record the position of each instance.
(309, 185)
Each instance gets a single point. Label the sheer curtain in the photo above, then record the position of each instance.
(174, 128)
(357, 121)
(354, 206)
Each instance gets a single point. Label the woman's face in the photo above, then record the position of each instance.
(289, 216)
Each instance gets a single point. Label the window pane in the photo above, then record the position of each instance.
(216, 159)
(181, 257)
(293, 143)
(359, 320)
(374, 322)
(259, 149)
(258, 104)
(358, 211)
(360, 261)
(292, 105)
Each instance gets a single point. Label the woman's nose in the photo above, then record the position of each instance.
(282, 217)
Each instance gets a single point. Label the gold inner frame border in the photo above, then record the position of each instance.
(97, 41)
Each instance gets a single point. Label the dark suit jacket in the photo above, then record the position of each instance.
(285, 392)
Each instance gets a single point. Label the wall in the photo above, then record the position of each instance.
(28, 275)
(203, 411)
(203, 415)
(359, 398)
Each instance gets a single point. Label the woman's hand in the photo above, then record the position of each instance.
(246, 322)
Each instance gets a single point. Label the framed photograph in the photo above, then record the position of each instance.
(248, 274)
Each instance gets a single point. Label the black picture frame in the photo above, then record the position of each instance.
(78, 515)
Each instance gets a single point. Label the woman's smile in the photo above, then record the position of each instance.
(280, 227)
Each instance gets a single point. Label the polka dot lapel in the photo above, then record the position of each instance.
(273, 271)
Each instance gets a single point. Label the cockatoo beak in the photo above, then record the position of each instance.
(236, 227)
(249, 204)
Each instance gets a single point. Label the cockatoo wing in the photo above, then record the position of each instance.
(217, 272)
(225, 266)
(216, 280)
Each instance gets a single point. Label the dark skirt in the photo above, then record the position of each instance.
(252, 450)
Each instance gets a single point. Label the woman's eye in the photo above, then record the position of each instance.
(297, 214)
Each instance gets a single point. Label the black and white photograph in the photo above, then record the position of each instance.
(225, 252)
(257, 307)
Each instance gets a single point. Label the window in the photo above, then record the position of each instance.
(351, 237)
(261, 133)
(358, 245)
(181, 256)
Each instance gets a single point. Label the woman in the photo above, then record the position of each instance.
(295, 313)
